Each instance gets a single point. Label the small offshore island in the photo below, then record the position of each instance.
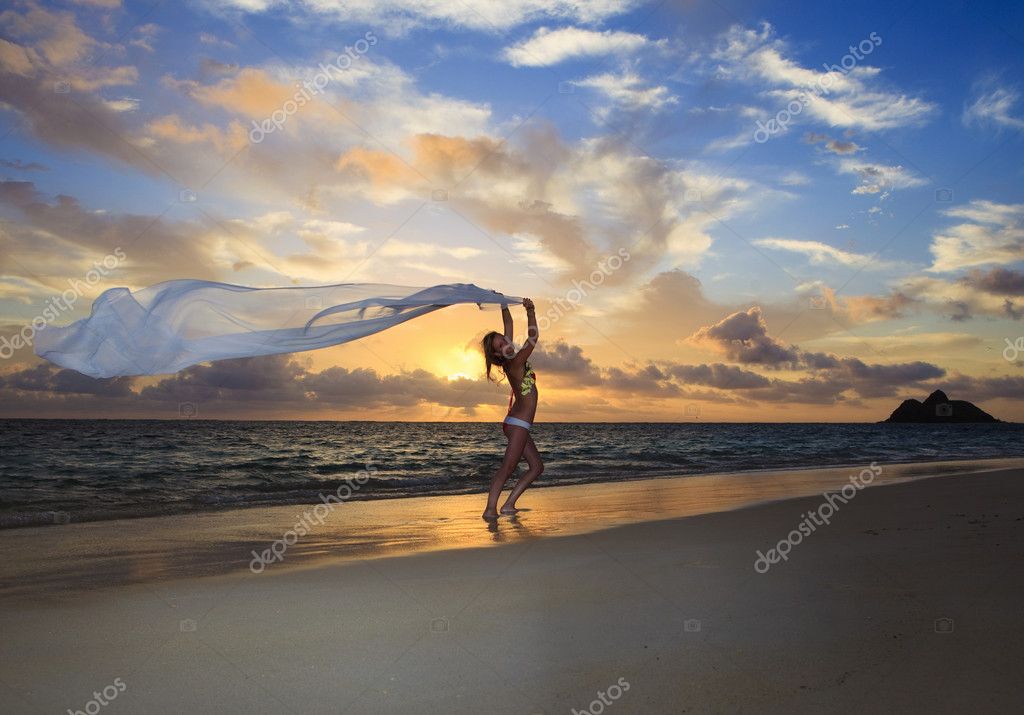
(939, 408)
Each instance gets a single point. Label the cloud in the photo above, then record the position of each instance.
(836, 146)
(284, 385)
(58, 239)
(208, 38)
(994, 106)
(56, 36)
(51, 44)
(850, 99)
(672, 298)
(44, 378)
(881, 380)
(989, 233)
(867, 308)
(19, 165)
(830, 379)
(568, 197)
(276, 384)
(794, 178)
(990, 293)
(399, 16)
(650, 381)
(51, 241)
(550, 46)
(879, 178)
(743, 337)
(717, 375)
(997, 281)
(375, 138)
(819, 253)
(1010, 387)
(565, 360)
(629, 91)
(293, 164)
(330, 249)
(959, 300)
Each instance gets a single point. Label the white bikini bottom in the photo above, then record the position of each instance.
(510, 420)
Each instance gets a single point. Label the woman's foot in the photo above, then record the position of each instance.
(509, 510)
(490, 514)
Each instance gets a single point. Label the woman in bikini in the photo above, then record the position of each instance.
(522, 406)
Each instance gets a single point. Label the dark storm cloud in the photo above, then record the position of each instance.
(723, 377)
(566, 360)
(998, 281)
(743, 337)
(44, 378)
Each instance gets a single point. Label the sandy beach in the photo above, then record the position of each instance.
(907, 601)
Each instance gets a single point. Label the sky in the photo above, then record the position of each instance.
(725, 211)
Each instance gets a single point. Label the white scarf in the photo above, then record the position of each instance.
(171, 325)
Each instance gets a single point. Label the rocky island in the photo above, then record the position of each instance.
(939, 408)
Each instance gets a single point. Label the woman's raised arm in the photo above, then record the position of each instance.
(506, 318)
(533, 334)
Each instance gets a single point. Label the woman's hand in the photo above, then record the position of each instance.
(528, 304)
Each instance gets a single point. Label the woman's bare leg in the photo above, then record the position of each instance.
(517, 437)
(536, 469)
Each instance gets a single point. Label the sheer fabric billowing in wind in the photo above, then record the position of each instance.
(175, 324)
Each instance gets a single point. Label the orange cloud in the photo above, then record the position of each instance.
(383, 169)
(173, 129)
(252, 93)
(448, 159)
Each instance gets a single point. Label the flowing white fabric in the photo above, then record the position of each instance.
(171, 325)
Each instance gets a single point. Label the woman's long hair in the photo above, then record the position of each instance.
(489, 357)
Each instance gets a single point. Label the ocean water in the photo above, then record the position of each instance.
(59, 471)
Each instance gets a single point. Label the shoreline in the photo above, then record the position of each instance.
(907, 602)
(59, 518)
(231, 541)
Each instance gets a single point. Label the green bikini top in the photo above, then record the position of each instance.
(529, 378)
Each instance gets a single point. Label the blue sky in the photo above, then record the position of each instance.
(882, 225)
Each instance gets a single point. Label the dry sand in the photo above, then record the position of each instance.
(909, 601)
